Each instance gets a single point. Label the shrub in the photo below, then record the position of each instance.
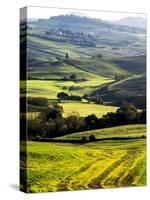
(143, 136)
(92, 138)
(72, 76)
(62, 95)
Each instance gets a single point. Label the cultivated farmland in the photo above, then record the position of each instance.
(103, 164)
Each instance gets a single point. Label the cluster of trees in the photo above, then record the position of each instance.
(60, 35)
(51, 123)
(66, 96)
(95, 98)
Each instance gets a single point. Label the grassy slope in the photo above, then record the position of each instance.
(131, 90)
(100, 66)
(81, 63)
(58, 69)
(52, 48)
(119, 131)
(133, 64)
(50, 89)
(107, 164)
(137, 85)
(44, 66)
(43, 50)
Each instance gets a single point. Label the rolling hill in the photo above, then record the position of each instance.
(80, 23)
(111, 63)
(131, 90)
(134, 65)
(119, 131)
(137, 22)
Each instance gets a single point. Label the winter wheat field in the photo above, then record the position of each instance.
(85, 90)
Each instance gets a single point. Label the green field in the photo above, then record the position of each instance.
(119, 131)
(81, 108)
(50, 89)
(85, 109)
(103, 164)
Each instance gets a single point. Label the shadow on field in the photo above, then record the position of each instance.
(81, 141)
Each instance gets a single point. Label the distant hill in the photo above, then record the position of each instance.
(90, 32)
(80, 23)
(137, 22)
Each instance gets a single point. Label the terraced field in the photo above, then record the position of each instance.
(102, 164)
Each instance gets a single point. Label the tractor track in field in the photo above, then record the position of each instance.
(130, 174)
(115, 180)
(96, 183)
(99, 181)
(74, 182)
(70, 182)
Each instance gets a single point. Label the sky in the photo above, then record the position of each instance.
(46, 12)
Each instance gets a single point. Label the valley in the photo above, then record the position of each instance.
(85, 92)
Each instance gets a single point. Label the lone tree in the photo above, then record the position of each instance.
(67, 56)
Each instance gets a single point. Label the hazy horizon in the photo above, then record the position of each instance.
(47, 12)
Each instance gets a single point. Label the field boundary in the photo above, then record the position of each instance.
(88, 141)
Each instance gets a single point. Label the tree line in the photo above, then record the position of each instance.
(50, 123)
